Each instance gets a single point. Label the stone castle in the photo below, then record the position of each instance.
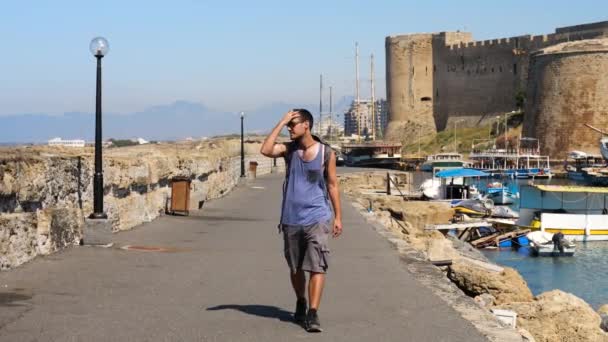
(435, 79)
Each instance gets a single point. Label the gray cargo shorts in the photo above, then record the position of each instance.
(306, 247)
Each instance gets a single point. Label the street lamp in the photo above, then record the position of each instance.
(242, 147)
(455, 142)
(99, 48)
(497, 129)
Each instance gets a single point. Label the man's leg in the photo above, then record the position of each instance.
(298, 281)
(315, 289)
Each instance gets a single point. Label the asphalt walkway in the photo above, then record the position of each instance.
(223, 278)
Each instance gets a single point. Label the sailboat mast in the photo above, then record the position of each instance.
(320, 129)
(373, 99)
(357, 113)
(331, 122)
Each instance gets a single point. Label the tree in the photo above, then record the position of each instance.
(520, 98)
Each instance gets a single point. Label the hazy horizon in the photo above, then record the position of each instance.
(227, 57)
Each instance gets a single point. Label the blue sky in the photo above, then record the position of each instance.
(230, 55)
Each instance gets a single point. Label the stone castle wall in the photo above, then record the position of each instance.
(568, 88)
(469, 81)
(46, 194)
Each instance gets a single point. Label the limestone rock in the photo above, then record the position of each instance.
(45, 192)
(485, 300)
(506, 286)
(558, 316)
(526, 336)
(17, 239)
(440, 249)
(603, 312)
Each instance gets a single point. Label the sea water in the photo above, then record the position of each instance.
(585, 274)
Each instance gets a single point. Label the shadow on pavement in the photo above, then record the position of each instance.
(220, 218)
(8, 298)
(258, 310)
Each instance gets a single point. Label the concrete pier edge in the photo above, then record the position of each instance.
(433, 278)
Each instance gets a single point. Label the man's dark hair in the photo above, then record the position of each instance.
(306, 116)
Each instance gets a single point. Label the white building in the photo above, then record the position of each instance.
(328, 127)
(67, 143)
(359, 122)
(141, 141)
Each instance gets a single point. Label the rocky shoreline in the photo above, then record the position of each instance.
(46, 192)
(470, 283)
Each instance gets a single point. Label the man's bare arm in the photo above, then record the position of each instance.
(270, 148)
(334, 194)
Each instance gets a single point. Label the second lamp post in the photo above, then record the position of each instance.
(99, 48)
(242, 147)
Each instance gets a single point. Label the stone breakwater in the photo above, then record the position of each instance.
(46, 193)
(551, 316)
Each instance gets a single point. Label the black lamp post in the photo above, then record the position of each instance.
(242, 147)
(99, 48)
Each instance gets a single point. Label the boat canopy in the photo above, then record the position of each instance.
(585, 199)
(460, 172)
(572, 188)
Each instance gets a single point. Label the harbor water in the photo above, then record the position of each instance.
(584, 274)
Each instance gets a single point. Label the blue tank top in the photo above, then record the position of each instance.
(305, 200)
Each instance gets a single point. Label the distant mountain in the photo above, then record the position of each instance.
(177, 120)
(343, 104)
(263, 119)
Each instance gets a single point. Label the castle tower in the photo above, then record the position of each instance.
(409, 84)
(568, 87)
(411, 77)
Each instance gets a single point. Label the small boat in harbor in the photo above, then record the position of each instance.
(442, 161)
(548, 244)
(500, 194)
(578, 165)
(372, 154)
(578, 212)
(460, 185)
(524, 161)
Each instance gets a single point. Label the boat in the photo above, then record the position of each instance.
(339, 156)
(500, 194)
(596, 176)
(473, 207)
(603, 141)
(372, 154)
(460, 185)
(442, 161)
(578, 212)
(525, 161)
(578, 163)
(548, 244)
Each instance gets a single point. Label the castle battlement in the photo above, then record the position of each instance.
(562, 34)
(434, 79)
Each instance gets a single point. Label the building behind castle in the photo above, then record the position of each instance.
(436, 78)
(359, 121)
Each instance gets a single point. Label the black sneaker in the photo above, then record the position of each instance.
(300, 315)
(312, 321)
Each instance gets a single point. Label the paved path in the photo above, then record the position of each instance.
(226, 281)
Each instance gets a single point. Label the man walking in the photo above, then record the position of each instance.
(306, 214)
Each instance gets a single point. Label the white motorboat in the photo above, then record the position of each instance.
(549, 244)
(501, 195)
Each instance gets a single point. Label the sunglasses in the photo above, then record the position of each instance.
(292, 124)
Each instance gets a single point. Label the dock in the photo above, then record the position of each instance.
(483, 233)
